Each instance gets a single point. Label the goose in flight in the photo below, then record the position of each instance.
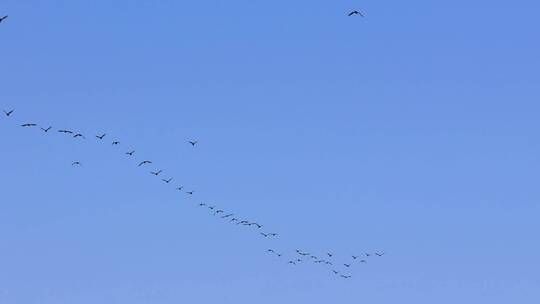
(130, 153)
(46, 130)
(3, 18)
(227, 215)
(180, 188)
(347, 265)
(329, 255)
(29, 125)
(346, 276)
(355, 257)
(335, 272)
(114, 143)
(167, 180)
(193, 142)
(273, 234)
(379, 254)
(144, 163)
(79, 135)
(76, 163)
(218, 212)
(8, 113)
(65, 131)
(202, 204)
(190, 192)
(292, 262)
(101, 136)
(355, 13)
(156, 173)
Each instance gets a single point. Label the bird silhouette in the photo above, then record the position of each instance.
(65, 131)
(3, 18)
(354, 257)
(335, 272)
(202, 204)
(227, 215)
(379, 254)
(180, 188)
(29, 125)
(8, 113)
(130, 153)
(114, 143)
(79, 135)
(346, 276)
(273, 234)
(144, 163)
(101, 136)
(193, 143)
(156, 173)
(363, 261)
(167, 180)
(368, 255)
(347, 265)
(292, 262)
(190, 192)
(355, 13)
(46, 130)
(218, 212)
(329, 254)
(76, 163)
(264, 234)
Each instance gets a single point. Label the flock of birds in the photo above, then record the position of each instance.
(296, 257)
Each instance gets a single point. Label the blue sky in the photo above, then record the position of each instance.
(412, 131)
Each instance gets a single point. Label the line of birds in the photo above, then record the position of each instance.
(299, 256)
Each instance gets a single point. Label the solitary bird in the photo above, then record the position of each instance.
(8, 113)
(65, 131)
(29, 125)
(2, 19)
(193, 143)
(114, 143)
(101, 136)
(355, 13)
(79, 135)
(76, 163)
(156, 173)
(144, 163)
(46, 130)
(167, 180)
(130, 153)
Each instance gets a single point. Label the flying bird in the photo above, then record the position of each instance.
(115, 143)
(354, 257)
(190, 192)
(130, 153)
(3, 18)
(79, 135)
(379, 254)
(346, 276)
(167, 180)
(347, 265)
(202, 204)
(8, 113)
(355, 13)
(329, 254)
(101, 136)
(292, 262)
(65, 131)
(29, 125)
(193, 143)
(180, 188)
(218, 212)
(46, 130)
(76, 163)
(335, 272)
(144, 163)
(227, 215)
(273, 234)
(156, 173)
(264, 234)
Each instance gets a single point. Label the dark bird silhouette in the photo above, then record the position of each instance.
(8, 113)
(114, 143)
(190, 192)
(292, 262)
(144, 163)
(354, 257)
(355, 13)
(258, 226)
(314, 257)
(328, 263)
(46, 130)
(264, 234)
(65, 131)
(3, 18)
(167, 180)
(76, 163)
(211, 207)
(180, 188)
(347, 265)
(368, 255)
(202, 204)
(363, 261)
(101, 136)
(271, 250)
(335, 272)
(379, 254)
(273, 234)
(227, 215)
(329, 254)
(346, 276)
(29, 125)
(193, 143)
(218, 212)
(156, 173)
(130, 153)
(79, 135)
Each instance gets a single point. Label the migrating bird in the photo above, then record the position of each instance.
(292, 262)
(347, 265)
(29, 125)
(264, 234)
(273, 234)
(115, 143)
(180, 188)
(65, 131)
(335, 272)
(190, 192)
(46, 130)
(79, 135)
(167, 180)
(193, 143)
(2, 19)
(346, 276)
(8, 113)
(101, 136)
(156, 173)
(202, 204)
(354, 257)
(228, 215)
(379, 254)
(144, 163)
(355, 13)
(76, 163)
(329, 254)
(130, 153)
(218, 212)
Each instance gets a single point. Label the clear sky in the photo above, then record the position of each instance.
(412, 131)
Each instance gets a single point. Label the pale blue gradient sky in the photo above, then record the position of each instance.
(413, 131)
